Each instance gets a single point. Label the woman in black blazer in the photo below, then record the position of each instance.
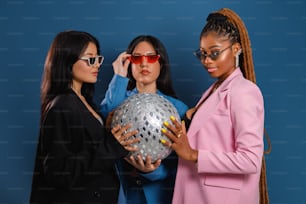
(75, 154)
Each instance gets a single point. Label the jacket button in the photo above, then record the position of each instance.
(138, 182)
(97, 194)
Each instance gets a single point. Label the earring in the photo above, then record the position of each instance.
(237, 58)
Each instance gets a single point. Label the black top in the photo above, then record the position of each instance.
(75, 160)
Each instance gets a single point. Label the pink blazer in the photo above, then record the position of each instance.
(228, 132)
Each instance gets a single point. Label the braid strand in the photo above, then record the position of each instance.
(249, 73)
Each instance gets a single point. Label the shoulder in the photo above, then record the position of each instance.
(242, 86)
(237, 84)
(65, 99)
(172, 99)
(176, 101)
(68, 101)
(245, 92)
(179, 105)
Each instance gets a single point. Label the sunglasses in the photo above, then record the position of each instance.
(137, 59)
(213, 56)
(93, 60)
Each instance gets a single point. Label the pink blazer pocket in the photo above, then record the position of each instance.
(231, 181)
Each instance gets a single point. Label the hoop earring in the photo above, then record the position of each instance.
(237, 58)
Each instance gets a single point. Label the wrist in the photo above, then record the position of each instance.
(194, 156)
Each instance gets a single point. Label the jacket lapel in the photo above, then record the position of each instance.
(210, 105)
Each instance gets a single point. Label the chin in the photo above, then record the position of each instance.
(91, 81)
(213, 75)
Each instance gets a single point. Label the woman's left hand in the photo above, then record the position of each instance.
(179, 141)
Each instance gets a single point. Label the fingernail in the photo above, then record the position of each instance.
(166, 123)
(163, 130)
(172, 118)
(163, 141)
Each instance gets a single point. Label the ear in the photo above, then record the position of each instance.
(237, 49)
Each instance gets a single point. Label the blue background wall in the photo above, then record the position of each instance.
(277, 30)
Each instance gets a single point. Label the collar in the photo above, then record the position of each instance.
(236, 73)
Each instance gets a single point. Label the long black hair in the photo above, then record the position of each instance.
(64, 51)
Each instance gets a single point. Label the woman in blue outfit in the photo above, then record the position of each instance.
(143, 68)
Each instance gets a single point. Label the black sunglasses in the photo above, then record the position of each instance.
(213, 56)
(93, 60)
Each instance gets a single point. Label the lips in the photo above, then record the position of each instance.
(95, 73)
(211, 69)
(145, 72)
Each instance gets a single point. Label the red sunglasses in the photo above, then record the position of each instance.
(137, 59)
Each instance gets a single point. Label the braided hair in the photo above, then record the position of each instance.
(227, 23)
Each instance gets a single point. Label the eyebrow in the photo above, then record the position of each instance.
(90, 53)
(211, 47)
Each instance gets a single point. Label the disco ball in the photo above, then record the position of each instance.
(146, 113)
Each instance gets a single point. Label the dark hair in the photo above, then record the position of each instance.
(227, 23)
(219, 23)
(164, 82)
(64, 51)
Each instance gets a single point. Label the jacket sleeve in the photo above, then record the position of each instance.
(115, 94)
(73, 156)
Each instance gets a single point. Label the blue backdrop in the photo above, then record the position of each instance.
(277, 30)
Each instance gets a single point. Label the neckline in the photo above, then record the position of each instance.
(98, 118)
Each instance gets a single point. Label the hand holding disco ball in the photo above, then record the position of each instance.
(146, 113)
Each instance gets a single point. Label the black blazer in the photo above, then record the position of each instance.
(75, 160)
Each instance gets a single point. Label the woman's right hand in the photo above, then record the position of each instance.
(125, 137)
(121, 64)
(143, 166)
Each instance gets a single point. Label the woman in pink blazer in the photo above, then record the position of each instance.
(221, 153)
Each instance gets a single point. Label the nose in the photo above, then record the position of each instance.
(97, 65)
(97, 62)
(206, 60)
(144, 61)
